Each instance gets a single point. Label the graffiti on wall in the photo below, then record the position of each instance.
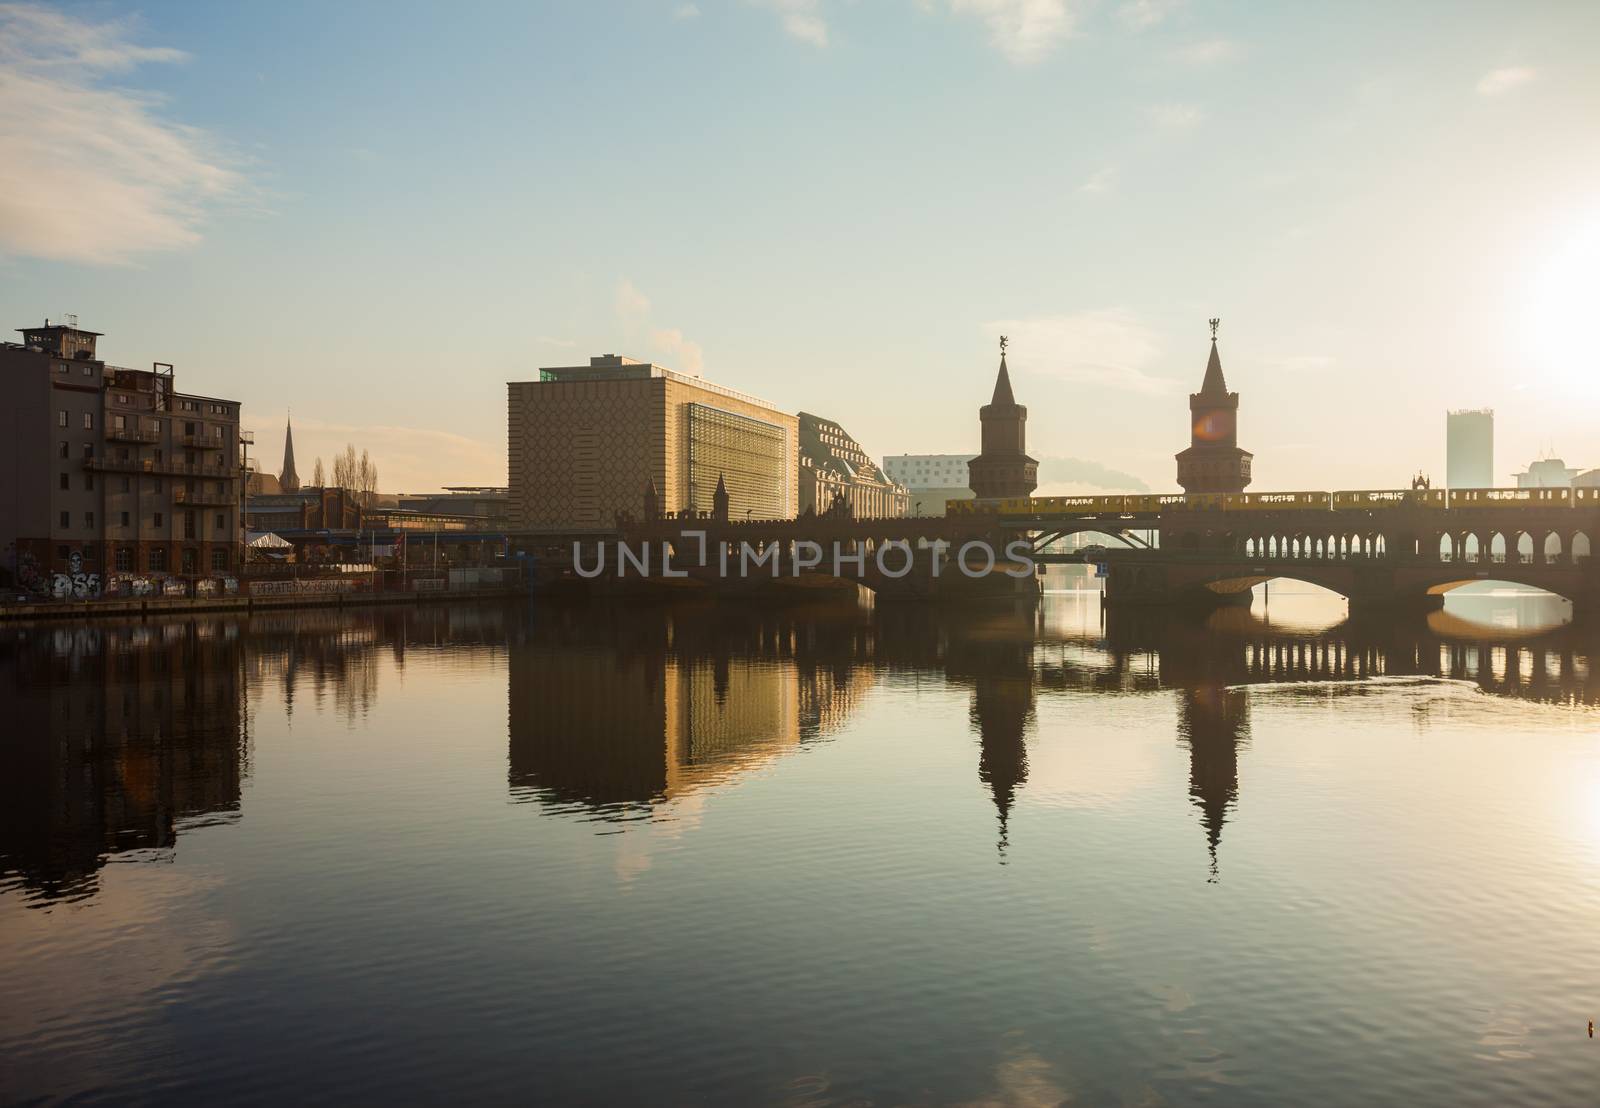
(75, 584)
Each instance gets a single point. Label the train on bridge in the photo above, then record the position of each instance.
(1157, 504)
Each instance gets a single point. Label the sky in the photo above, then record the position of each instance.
(378, 214)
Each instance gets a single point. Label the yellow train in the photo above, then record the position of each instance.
(1148, 504)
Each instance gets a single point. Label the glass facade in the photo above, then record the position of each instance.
(748, 454)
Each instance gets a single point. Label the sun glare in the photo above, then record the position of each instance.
(1563, 331)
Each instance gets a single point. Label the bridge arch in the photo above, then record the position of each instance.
(1445, 587)
(1552, 547)
(1579, 545)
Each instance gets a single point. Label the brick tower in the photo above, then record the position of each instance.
(1214, 462)
(1004, 468)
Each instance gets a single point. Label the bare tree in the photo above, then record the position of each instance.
(345, 466)
(318, 477)
(367, 479)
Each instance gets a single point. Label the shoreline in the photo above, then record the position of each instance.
(144, 607)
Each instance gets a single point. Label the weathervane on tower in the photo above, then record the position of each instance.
(1003, 341)
(1215, 323)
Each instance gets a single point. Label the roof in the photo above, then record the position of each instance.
(1214, 383)
(1002, 387)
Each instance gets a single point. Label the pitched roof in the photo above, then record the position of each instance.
(1002, 386)
(1214, 384)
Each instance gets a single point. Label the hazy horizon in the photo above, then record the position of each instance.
(377, 219)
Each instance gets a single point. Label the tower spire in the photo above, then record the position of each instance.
(288, 480)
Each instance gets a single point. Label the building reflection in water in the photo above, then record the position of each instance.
(615, 710)
(119, 737)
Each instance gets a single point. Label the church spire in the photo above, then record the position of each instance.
(288, 480)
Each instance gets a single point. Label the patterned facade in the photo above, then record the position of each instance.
(116, 476)
(583, 443)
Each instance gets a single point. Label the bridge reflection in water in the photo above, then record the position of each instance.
(615, 714)
(122, 737)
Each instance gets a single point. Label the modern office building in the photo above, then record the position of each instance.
(585, 442)
(1469, 449)
(1548, 473)
(834, 470)
(1214, 462)
(932, 480)
(113, 472)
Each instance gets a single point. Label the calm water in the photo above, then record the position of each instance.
(689, 855)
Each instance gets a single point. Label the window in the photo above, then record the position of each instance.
(88, 421)
(124, 560)
(88, 370)
(61, 418)
(88, 520)
(159, 483)
(188, 429)
(66, 449)
(188, 559)
(219, 560)
(66, 520)
(63, 553)
(188, 525)
(125, 519)
(155, 425)
(127, 483)
(66, 480)
(123, 398)
(120, 422)
(62, 367)
(222, 521)
(158, 560)
(88, 482)
(158, 519)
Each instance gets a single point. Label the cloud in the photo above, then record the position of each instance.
(409, 459)
(1103, 180)
(91, 173)
(1211, 51)
(1108, 348)
(1082, 472)
(633, 306)
(686, 11)
(1175, 116)
(688, 355)
(1025, 31)
(1498, 82)
(633, 312)
(1141, 15)
(801, 19)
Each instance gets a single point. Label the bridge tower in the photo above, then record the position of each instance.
(1004, 468)
(1214, 462)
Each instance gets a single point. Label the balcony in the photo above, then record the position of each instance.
(132, 434)
(204, 442)
(204, 498)
(164, 468)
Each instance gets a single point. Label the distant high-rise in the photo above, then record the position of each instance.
(1469, 449)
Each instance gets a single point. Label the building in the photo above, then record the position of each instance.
(1469, 449)
(584, 443)
(834, 470)
(1004, 468)
(487, 506)
(114, 473)
(1213, 462)
(1547, 473)
(288, 479)
(313, 509)
(932, 480)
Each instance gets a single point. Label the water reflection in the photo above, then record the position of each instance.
(123, 737)
(118, 739)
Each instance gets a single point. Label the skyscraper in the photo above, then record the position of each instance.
(1469, 449)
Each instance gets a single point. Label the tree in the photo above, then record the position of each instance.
(367, 479)
(318, 478)
(344, 468)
